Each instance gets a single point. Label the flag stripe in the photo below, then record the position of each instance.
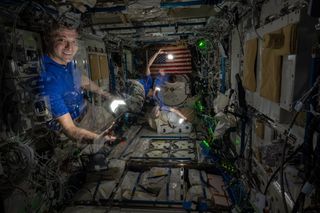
(179, 60)
(174, 67)
(174, 72)
(186, 64)
(181, 56)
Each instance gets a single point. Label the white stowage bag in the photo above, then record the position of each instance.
(225, 122)
(197, 177)
(127, 186)
(197, 192)
(174, 185)
(103, 192)
(168, 122)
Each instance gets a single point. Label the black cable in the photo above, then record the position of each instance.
(282, 162)
(278, 169)
(307, 188)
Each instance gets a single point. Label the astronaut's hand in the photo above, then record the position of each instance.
(179, 113)
(105, 137)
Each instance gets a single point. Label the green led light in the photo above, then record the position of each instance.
(202, 44)
(206, 143)
(199, 107)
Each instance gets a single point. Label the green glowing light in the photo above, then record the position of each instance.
(199, 106)
(202, 44)
(206, 143)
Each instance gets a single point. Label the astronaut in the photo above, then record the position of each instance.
(64, 84)
(147, 80)
(161, 79)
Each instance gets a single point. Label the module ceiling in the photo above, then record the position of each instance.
(150, 20)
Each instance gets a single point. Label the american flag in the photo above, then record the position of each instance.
(180, 64)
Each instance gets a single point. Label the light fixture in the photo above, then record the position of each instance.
(170, 56)
(115, 104)
(181, 120)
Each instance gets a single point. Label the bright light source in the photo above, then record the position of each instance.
(157, 89)
(170, 56)
(115, 104)
(181, 120)
(202, 43)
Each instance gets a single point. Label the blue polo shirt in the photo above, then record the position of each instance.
(62, 85)
(160, 81)
(147, 83)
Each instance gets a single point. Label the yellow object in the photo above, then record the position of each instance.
(270, 86)
(98, 66)
(250, 56)
(276, 44)
(274, 40)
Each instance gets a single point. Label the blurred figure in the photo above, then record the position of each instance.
(147, 80)
(161, 79)
(166, 119)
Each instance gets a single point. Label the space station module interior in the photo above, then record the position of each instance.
(160, 106)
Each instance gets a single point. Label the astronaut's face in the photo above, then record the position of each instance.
(65, 46)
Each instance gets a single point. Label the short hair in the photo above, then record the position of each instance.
(52, 32)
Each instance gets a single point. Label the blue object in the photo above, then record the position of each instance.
(161, 80)
(147, 83)
(168, 5)
(307, 144)
(203, 206)
(187, 205)
(62, 84)
(222, 75)
(205, 150)
(180, 4)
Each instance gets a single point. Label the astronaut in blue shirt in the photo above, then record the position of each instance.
(147, 80)
(161, 79)
(63, 84)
